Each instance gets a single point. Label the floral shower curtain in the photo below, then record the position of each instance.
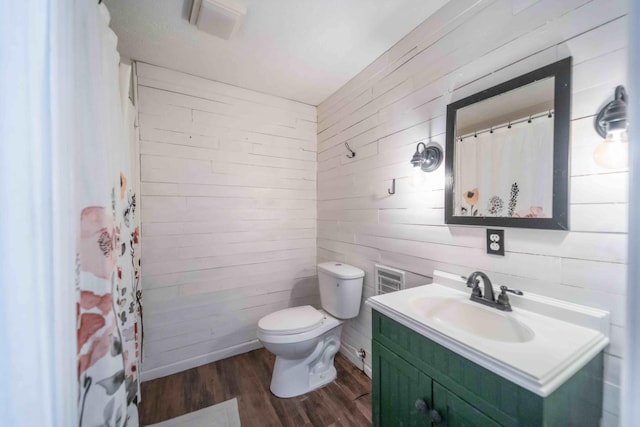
(108, 237)
(522, 185)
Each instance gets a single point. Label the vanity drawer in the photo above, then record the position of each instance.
(578, 402)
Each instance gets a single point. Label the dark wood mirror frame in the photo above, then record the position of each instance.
(561, 70)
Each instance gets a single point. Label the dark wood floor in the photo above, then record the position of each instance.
(345, 402)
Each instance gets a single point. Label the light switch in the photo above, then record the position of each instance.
(495, 242)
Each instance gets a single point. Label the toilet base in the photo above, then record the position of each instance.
(293, 377)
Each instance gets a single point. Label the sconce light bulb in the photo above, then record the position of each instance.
(619, 136)
(418, 177)
(613, 152)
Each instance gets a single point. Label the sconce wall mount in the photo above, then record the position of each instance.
(613, 116)
(429, 159)
(611, 124)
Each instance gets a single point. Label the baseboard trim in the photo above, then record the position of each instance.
(350, 353)
(162, 371)
(183, 365)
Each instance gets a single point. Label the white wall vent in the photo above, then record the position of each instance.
(222, 18)
(388, 279)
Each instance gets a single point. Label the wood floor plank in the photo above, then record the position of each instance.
(344, 402)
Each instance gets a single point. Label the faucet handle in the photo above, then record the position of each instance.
(469, 281)
(503, 299)
(473, 282)
(513, 291)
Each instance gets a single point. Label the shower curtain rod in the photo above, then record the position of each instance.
(507, 125)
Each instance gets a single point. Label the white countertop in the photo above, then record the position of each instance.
(567, 336)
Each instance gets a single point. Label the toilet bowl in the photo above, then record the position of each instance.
(304, 358)
(305, 339)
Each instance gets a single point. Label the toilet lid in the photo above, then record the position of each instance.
(295, 320)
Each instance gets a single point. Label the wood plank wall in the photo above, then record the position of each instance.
(401, 98)
(228, 215)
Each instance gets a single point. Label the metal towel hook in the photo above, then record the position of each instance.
(392, 190)
(353, 153)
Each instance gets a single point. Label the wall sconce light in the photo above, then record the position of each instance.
(611, 123)
(429, 159)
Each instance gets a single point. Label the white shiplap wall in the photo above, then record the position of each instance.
(401, 98)
(228, 207)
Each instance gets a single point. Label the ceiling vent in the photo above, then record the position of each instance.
(388, 279)
(222, 18)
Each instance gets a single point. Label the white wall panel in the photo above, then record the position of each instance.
(228, 215)
(401, 99)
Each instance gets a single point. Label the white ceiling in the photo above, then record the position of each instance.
(303, 50)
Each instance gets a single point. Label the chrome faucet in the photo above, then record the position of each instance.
(473, 282)
(501, 303)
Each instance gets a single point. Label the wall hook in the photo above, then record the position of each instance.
(353, 153)
(392, 190)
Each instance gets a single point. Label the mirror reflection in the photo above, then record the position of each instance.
(507, 152)
(503, 155)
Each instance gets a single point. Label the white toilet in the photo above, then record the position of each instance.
(304, 339)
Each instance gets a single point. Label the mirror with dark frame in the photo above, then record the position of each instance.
(507, 152)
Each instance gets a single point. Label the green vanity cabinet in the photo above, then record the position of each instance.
(403, 384)
(455, 412)
(400, 384)
(408, 367)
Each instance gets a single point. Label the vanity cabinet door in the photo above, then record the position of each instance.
(456, 412)
(397, 386)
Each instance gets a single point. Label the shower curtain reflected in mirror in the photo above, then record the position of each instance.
(507, 172)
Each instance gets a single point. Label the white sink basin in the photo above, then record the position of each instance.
(537, 346)
(473, 318)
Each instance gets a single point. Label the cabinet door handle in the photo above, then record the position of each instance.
(423, 408)
(435, 417)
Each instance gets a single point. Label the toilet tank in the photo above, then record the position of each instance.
(340, 289)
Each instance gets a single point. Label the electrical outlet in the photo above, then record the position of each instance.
(495, 242)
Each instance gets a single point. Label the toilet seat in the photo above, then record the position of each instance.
(327, 322)
(290, 321)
